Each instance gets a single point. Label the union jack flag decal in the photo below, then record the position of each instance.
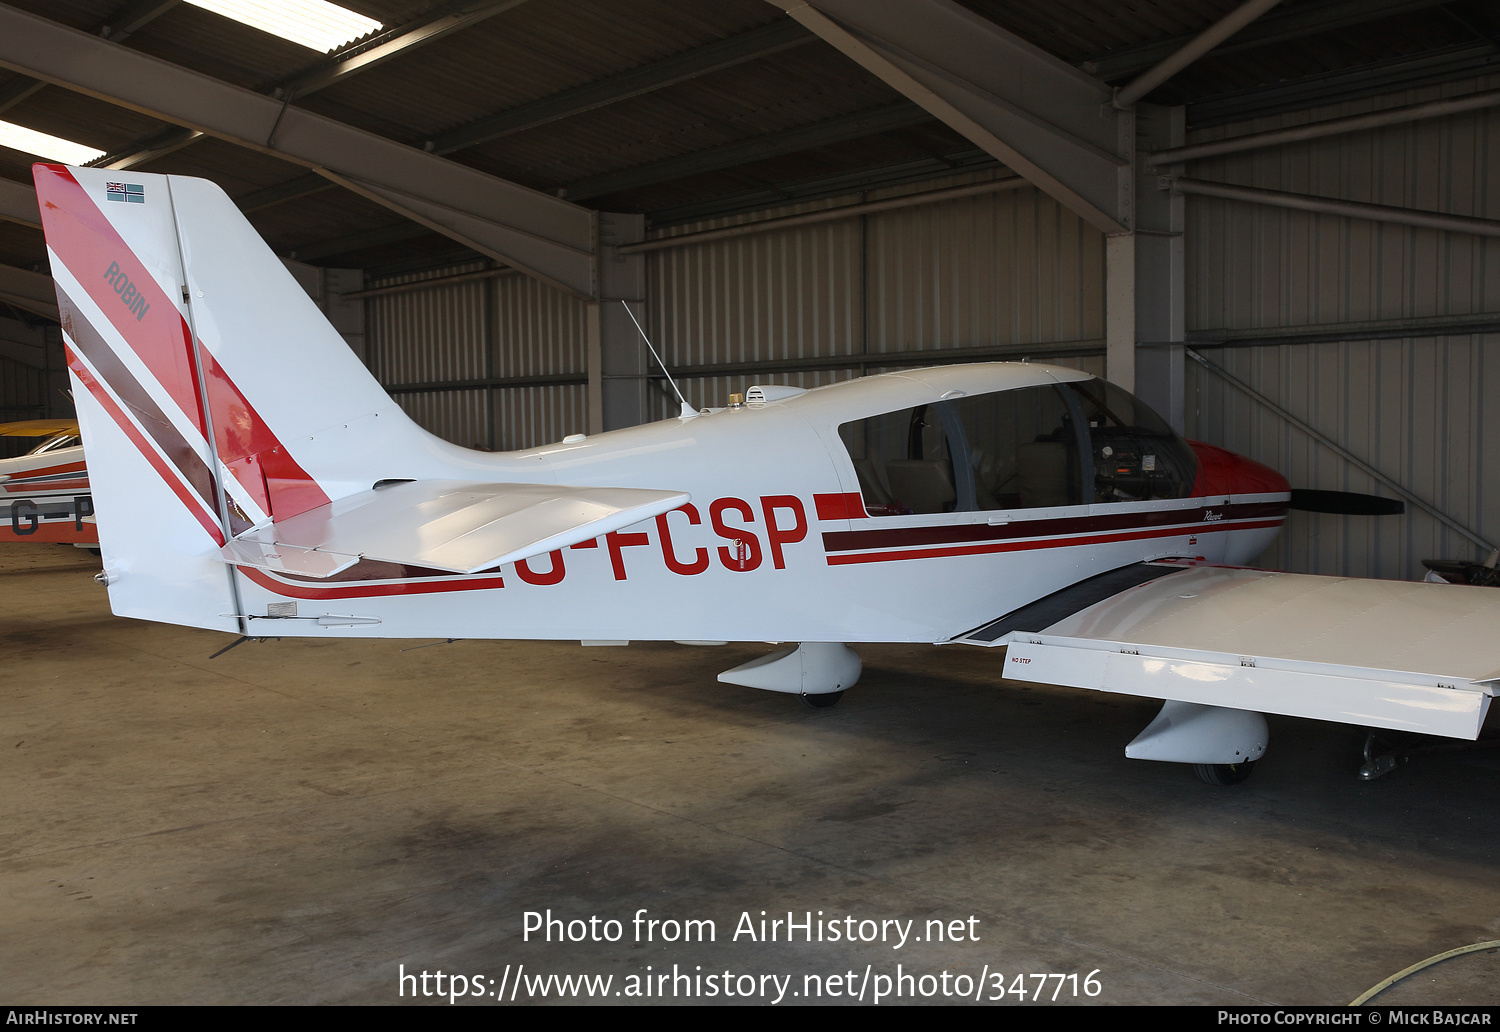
(132, 192)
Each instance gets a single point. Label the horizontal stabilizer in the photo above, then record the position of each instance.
(1392, 654)
(282, 558)
(452, 525)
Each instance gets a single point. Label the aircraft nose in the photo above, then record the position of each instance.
(1222, 472)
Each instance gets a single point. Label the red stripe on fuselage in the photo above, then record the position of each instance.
(419, 587)
(45, 471)
(840, 506)
(1057, 542)
(893, 537)
(29, 485)
(62, 532)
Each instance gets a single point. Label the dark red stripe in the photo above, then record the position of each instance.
(134, 397)
(896, 537)
(36, 484)
(422, 587)
(123, 421)
(1025, 546)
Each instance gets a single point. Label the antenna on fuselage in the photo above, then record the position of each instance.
(688, 412)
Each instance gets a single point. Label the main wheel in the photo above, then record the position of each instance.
(822, 701)
(1223, 773)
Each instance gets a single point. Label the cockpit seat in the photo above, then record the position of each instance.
(922, 485)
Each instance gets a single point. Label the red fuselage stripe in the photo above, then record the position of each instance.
(1058, 542)
(892, 537)
(415, 587)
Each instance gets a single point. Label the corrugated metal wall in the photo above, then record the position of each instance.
(23, 391)
(477, 332)
(1414, 408)
(997, 269)
(33, 379)
(1005, 268)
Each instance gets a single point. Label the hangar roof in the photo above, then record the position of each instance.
(678, 109)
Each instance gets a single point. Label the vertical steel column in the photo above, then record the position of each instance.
(617, 357)
(1119, 310)
(1160, 285)
(1120, 266)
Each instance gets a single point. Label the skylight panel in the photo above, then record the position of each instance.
(54, 148)
(315, 24)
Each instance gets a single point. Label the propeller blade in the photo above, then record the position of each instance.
(1345, 503)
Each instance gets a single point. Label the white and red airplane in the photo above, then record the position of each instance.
(44, 494)
(250, 476)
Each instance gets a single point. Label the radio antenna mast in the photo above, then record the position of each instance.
(688, 412)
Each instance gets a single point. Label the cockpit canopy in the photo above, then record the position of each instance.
(56, 442)
(1029, 447)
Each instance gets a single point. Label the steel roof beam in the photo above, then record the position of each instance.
(1420, 218)
(359, 58)
(1328, 127)
(1036, 114)
(747, 46)
(149, 149)
(18, 204)
(125, 22)
(363, 58)
(1331, 88)
(1193, 49)
(549, 238)
(29, 291)
(1302, 20)
(771, 194)
(790, 141)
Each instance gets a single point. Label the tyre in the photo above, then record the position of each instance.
(1223, 773)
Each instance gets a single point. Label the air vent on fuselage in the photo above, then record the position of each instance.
(761, 394)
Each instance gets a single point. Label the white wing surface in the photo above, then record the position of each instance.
(445, 525)
(1394, 654)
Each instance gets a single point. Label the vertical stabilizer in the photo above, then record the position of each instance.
(213, 395)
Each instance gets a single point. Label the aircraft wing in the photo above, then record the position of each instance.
(1395, 654)
(39, 427)
(454, 525)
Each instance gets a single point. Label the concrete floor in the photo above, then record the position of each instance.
(300, 821)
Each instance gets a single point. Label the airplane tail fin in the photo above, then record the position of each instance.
(213, 395)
